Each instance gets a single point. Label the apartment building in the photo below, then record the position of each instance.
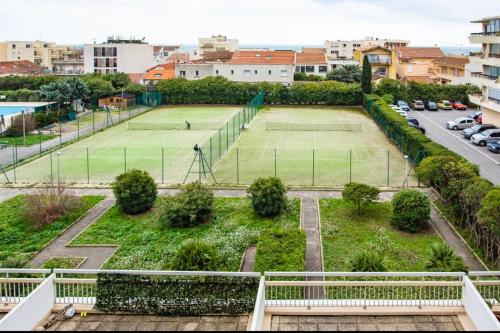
(345, 49)
(416, 63)
(40, 53)
(451, 69)
(488, 78)
(217, 43)
(259, 66)
(383, 61)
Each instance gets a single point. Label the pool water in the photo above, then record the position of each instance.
(12, 110)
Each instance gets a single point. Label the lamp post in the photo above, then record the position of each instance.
(58, 171)
(24, 127)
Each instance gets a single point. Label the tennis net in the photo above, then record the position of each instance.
(280, 126)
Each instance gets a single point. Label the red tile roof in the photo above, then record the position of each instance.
(311, 58)
(22, 67)
(136, 77)
(161, 72)
(419, 79)
(315, 50)
(263, 58)
(452, 61)
(407, 53)
(178, 58)
(217, 56)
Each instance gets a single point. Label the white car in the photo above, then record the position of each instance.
(489, 136)
(402, 113)
(460, 123)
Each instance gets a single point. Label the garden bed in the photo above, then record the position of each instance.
(19, 237)
(345, 235)
(145, 244)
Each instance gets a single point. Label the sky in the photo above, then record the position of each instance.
(272, 22)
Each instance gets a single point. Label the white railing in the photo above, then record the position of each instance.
(364, 289)
(260, 307)
(488, 285)
(17, 284)
(477, 310)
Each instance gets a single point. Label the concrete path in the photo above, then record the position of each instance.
(95, 256)
(249, 259)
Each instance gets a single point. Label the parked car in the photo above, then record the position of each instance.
(395, 107)
(417, 104)
(420, 128)
(403, 114)
(476, 129)
(444, 105)
(413, 120)
(431, 106)
(477, 116)
(489, 136)
(460, 123)
(403, 105)
(479, 119)
(494, 147)
(457, 105)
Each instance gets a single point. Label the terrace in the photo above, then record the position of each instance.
(274, 301)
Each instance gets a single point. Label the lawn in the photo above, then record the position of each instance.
(31, 139)
(18, 237)
(63, 263)
(345, 235)
(145, 244)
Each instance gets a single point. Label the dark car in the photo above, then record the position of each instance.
(431, 106)
(413, 121)
(420, 128)
(417, 104)
(494, 147)
(468, 132)
(403, 105)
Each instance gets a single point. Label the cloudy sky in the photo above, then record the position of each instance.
(301, 22)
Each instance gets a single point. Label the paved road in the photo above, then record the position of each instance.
(7, 155)
(434, 123)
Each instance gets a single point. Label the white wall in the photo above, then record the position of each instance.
(262, 74)
(131, 58)
(204, 70)
(33, 309)
(477, 309)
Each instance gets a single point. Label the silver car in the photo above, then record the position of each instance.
(489, 136)
(460, 123)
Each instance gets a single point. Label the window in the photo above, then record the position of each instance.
(157, 75)
(111, 99)
(410, 68)
(309, 69)
(28, 46)
(13, 46)
(182, 73)
(323, 69)
(217, 72)
(297, 69)
(246, 73)
(270, 72)
(284, 73)
(197, 73)
(232, 71)
(256, 72)
(335, 52)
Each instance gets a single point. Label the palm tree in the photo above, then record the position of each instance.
(346, 74)
(443, 259)
(367, 261)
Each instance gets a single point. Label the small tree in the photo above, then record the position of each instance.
(268, 197)
(388, 98)
(360, 194)
(367, 261)
(366, 76)
(489, 214)
(443, 259)
(346, 74)
(194, 255)
(135, 192)
(410, 210)
(191, 207)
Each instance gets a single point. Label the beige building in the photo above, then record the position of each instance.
(345, 49)
(451, 70)
(216, 44)
(416, 63)
(488, 78)
(38, 52)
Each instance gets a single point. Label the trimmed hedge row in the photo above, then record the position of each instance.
(218, 90)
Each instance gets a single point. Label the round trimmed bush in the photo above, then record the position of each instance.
(411, 211)
(135, 192)
(367, 261)
(191, 207)
(268, 197)
(195, 255)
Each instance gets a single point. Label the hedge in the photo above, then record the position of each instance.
(176, 295)
(218, 90)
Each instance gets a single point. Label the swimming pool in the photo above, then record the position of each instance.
(12, 110)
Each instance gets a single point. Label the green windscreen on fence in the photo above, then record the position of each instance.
(281, 126)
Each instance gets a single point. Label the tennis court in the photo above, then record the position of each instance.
(313, 146)
(165, 153)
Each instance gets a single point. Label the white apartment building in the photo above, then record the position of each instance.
(216, 44)
(488, 79)
(344, 49)
(38, 52)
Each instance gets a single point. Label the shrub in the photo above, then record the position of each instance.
(281, 250)
(489, 214)
(443, 259)
(18, 261)
(367, 261)
(194, 255)
(360, 194)
(388, 98)
(16, 127)
(43, 119)
(47, 205)
(300, 76)
(411, 210)
(191, 207)
(268, 197)
(366, 76)
(135, 192)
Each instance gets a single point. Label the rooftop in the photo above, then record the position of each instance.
(407, 53)
(23, 67)
(263, 58)
(452, 61)
(311, 58)
(315, 50)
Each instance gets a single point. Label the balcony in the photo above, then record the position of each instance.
(484, 76)
(484, 37)
(494, 55)
(386, 62)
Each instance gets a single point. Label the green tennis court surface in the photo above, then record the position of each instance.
(165, 154)
(313, 146)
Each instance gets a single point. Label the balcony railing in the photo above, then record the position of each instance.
(485, 34)
(494, 55)
(380, 61)
(484, 76)
(494, 100)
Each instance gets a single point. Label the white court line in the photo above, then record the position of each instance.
(470, 144)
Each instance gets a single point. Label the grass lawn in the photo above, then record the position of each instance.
(145, 244)
(18, 237)
(31, 139)
(63, 263)
(345, 235)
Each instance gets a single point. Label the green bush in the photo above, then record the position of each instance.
(191, 207)
(195, 255)
(366, 76)
(43, 119)
(300, 76)
(388, 98)
(359, 195)
(135, 192)
(268, 197)
(367, 261)
(19, 261)
(443, 259)
(281, 250)
(410, 211)
(489, 214)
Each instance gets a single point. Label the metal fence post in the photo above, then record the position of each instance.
(313, 167)
(60, 132)
(78, 127)
(211, 151)
(93, 121)
(88, 167)
(388, 168)
(125, 158)
(40, 137)
(162, 165)
(275, 163)
(350, 166)
(14, 162)
(51, 178)
(227, 136)
(237, 166)
(220, 139)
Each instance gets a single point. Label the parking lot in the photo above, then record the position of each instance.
(435, 124)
